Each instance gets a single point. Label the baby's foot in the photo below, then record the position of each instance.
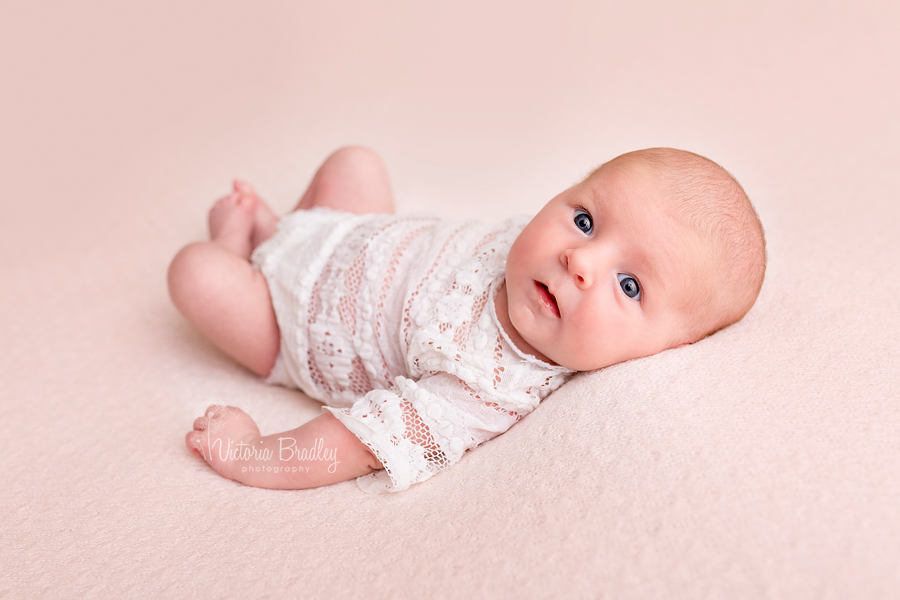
(224, 437)
(264, 220)
(231, 222)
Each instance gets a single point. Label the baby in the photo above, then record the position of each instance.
(425, 338)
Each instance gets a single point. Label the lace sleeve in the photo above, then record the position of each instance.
(417, 429)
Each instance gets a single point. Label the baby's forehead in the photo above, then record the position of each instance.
(694, 262)
(670, 220)
(630, 185)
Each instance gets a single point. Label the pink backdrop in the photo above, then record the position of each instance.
(760, 463)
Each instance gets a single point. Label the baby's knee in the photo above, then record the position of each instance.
(356, 160)
(187, 273)
(354, 179)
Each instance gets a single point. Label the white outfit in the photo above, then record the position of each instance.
(389, 320)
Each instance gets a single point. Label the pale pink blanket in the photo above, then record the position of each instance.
(760, 463)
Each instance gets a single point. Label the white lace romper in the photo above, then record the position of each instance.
(389, 321)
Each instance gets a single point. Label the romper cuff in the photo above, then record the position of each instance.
(396, 475)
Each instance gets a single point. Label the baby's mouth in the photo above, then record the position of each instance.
(547, 298)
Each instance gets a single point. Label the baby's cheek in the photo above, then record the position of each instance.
(585, 353)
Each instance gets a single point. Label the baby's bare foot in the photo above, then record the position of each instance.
(231, 222)
(264, 220)
(224, 437)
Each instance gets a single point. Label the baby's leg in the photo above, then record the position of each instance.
(353, 179)
(213, 284)
(216, 289)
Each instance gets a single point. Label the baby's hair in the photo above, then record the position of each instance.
(710, 201)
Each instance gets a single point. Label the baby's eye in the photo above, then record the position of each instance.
(583, 221)
(630, 286)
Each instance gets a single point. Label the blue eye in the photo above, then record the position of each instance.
(630, 286)
(583, 221)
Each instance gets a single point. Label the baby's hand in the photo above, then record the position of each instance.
(222, 437)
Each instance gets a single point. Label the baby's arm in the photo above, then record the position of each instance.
(320, 452)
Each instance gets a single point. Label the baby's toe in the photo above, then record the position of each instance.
(201, 423)
(215, 410)
(243, 187)
(193, 440)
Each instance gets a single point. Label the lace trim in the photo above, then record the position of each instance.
(381, 481)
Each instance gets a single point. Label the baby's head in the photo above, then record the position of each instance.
(655, 249)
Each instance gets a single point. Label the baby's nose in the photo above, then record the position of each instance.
(578, 266)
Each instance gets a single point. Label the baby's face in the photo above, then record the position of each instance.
(602, 274)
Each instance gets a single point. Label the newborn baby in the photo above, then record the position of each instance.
(425, 337)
